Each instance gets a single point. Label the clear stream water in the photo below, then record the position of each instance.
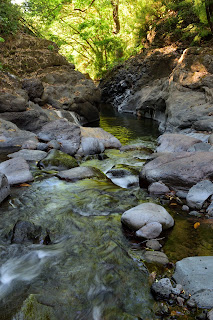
(92, 269)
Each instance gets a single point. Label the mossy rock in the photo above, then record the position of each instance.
(123, 170)
(33, 310)
(58, 160)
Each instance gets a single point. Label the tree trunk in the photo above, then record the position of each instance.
(117, 27)
(209, 13)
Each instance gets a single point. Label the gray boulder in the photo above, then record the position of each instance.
(199, 193)
(162, 289)
(16, 170)
(12, 102)
(34, 88)
(80, 173)
(146, 213)
(106, 138)
(90, 145)
(210, 315)
(30, 144)
(29, 155)
(4, 187)
(156, 257)
(150, 230)
(11, 135)
(158, 188)
(179, 171)
(195, 275)
(200, 147)
(65, 132)
(153, 244)
(209, 210)
(210, 140)
(173, 142)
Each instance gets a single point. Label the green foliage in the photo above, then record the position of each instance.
(1, 39)
(84, 30)
(9, 17)
(51, 47)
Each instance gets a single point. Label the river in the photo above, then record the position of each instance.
(92, 270)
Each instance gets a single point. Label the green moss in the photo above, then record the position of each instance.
(58, 160)
(32, 310)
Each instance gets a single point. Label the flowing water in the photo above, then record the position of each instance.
(91, 270)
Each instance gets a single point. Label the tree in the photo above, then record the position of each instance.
(209, 13)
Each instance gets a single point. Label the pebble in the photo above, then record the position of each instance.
(185, 208)
(153, 244)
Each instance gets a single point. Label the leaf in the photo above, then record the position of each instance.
(2, 140)
(173, 204)
(24, 185)
(1, 39)
(196, 225)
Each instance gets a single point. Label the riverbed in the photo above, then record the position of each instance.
(93, 268)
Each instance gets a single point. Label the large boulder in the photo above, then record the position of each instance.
(34, 88)
(12, 102)
(179, 171)
(199, 193)
(173, 142)
(63, 131)
(195, 275)
(11, 135)
(16, 170)
(4, 187)
(67, 89)
(105, 138)
(145, 214)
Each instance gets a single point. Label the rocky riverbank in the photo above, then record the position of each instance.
(88, 197)
(171, 85)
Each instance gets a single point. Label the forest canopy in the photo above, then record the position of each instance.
(99, 34)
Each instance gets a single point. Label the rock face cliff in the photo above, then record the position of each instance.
(173, 86)
(38, 85)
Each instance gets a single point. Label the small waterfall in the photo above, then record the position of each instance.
(69, 115)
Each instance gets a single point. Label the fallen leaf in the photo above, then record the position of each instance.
(2, 140)
(173, 204)
(24, 185)
(196, 225)
(11, 130)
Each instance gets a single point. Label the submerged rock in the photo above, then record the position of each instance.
(25, 232)
(156, 257)
(58, 160)
(80, 173)
(147, 213)
(199, 193)
(195, 275)
(16, 171)
(4, 187)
